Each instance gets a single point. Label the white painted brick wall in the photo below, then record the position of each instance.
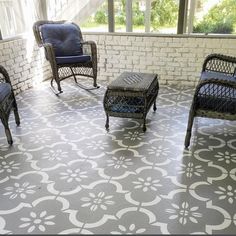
(25, 63)
(177, 60)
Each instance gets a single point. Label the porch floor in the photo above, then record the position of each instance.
(66, 174)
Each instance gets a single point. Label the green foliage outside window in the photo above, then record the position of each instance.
(138, 16)
(220, 19)
(164, 13)
(101, 16)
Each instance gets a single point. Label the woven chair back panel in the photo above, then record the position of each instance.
(65, 39)
(221, 66)
(2, 79)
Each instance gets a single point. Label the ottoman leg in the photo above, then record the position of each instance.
(144, 125)
(107, 122)
(154, 105)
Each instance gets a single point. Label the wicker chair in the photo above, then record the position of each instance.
(66, 51)
(215, 94)
(7, 102)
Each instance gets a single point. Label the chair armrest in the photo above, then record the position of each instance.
(220, 63)
(5, 76)
(49, 53)
(90, 48)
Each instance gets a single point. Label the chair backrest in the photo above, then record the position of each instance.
(65, 37)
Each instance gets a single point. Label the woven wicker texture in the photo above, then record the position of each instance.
(131, 96)
(133, 81)
(215, 94)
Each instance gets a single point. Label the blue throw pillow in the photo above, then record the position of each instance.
(5, 90)
(65, 39)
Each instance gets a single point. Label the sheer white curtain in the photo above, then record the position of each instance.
(18, 16)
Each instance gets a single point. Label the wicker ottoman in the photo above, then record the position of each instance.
(130, 96)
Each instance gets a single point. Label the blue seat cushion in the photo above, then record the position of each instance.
(73, 59)
(217, 75)
(216, 97)
(65, 39)
(5, 90)
(127, 104)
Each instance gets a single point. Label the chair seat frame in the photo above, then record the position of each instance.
(216, 63)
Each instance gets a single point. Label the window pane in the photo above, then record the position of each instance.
(7, 20)
(17, 16)
(98, 21)
(138, 9)
(164, 16)
(120, 15)
(215, 16)
(161, 17)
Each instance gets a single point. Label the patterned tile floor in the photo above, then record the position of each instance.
(66, 174)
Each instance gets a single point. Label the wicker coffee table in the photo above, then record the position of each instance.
(130, 96)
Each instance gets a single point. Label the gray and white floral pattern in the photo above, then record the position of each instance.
(20, 190)
(190, 170)
(37, 221)
(147, 184)
(226, 157)
(184, 213)
(95, 201)
(132, 229)
(65, 174)
(227, 193)
(73, 175)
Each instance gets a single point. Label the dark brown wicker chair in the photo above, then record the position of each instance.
(66, 51)
(215, 94)
(7, 102)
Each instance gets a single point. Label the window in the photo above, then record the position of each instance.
(17, 16)
(215, 16)
(145, 16)
(97, 21)
(154, 16)
(164, 16)
(8, 26)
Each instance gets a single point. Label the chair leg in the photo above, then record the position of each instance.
(107, 122)
(4, 120)
(16, 114)
(83, 87)
(95, 77)
(144, 124)
(154, 105)
(189, 128)
(8, 134)
(17, 118)
(58, 87)
(7, 130)
(95, 82)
